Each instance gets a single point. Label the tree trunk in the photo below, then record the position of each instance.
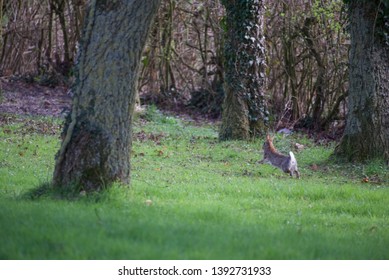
(244, 110)
(235, 124)
(96, 144)
(367, 128)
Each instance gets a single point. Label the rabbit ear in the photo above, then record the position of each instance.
(268, 138)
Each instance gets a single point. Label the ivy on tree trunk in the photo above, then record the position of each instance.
(244, 110)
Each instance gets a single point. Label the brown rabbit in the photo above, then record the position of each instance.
(288, 164)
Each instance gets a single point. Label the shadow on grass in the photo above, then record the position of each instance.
(371, 172)
(71, 193)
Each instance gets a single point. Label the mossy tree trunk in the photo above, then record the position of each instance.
(244, 109)
(96, 144)
(367, 128)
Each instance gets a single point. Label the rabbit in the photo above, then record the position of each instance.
(288, 164)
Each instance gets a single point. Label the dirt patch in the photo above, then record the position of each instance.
(18, 98)
(31, 99)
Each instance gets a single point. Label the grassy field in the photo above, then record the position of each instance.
(191, 197)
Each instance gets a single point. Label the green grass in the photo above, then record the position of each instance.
(209, 200)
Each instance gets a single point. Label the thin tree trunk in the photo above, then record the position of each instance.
(367, 128)
(320, 84)
(96, 144)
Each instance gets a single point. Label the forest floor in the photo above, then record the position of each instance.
(22, 98)
(32, 99)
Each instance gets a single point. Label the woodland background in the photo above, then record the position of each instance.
(307, 45)
(185, 182)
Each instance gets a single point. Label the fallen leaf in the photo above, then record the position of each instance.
(299, 147)
(314, 167)
(365, 180)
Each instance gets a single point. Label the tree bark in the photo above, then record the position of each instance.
(367, 129)
(244, 109)
(96, 144)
